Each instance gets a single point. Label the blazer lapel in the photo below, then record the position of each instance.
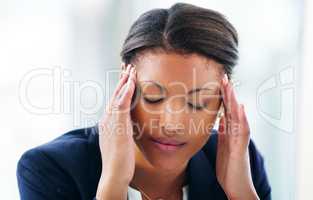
(202, 180)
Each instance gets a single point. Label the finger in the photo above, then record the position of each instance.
(221, 126)
(234, 106)
(123, 66)
(245, 130)
(236, 110)
(123, 69)
(122, 81)
(226, 103)
(223, 130)
(225, 94)
(123, 72)
(221, 134)
(222, 141)
(123, 77)
(128, 91)
(244, 120)
(232, 110)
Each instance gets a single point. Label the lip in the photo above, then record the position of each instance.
(165, 144)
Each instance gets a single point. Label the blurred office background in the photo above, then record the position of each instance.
(60, 59)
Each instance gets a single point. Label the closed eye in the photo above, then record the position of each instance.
(153, 100)
(196, 106)
(192, 106)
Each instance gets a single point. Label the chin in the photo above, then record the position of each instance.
(164, 160)
(167, 164)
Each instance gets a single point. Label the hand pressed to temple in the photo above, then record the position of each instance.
(232, 164)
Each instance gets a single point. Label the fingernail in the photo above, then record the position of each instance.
(225, 79)
(123, 65)
(128, 67)
(132, 70)
(122, 73)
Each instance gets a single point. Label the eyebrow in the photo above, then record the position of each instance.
(199, 89)
(189, 92)
(155, 83)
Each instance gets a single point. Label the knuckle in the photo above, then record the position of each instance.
(128, 94)
(130, 89)
(117, 105)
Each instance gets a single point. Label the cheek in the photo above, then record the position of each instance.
(142, 108)
(201, 124)
(142, 112)
(145, 121)
(198, 136)
(197, 143)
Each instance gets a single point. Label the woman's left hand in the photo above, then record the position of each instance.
(232, 163)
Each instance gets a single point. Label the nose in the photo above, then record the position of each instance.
(175, 104)
(173, 117)
(171, 130)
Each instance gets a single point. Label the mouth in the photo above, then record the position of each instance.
(165, 144)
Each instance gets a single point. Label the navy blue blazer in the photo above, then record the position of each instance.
(69, 167)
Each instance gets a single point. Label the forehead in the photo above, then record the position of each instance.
(175, 70)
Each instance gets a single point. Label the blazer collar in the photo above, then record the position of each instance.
(201, 178)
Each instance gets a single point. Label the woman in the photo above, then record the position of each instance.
(155, 140)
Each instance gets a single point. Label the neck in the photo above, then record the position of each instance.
(148, 178)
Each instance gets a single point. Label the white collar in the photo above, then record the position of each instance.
(134, 194)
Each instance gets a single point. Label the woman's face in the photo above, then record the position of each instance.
(177, 106)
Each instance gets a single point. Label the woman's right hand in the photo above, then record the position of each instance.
(116, 140)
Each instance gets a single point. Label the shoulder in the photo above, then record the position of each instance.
(68, 148)
(258, 171)
(57, 166)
